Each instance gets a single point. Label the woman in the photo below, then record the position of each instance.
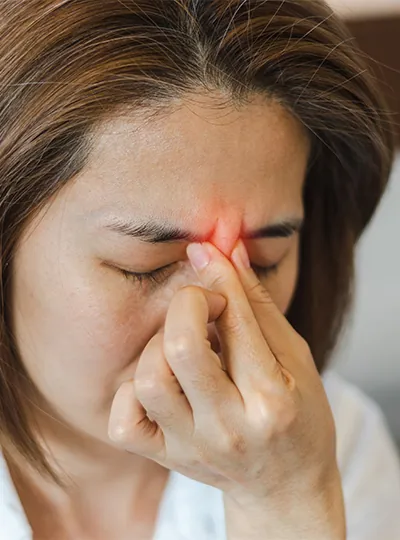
(182, 187)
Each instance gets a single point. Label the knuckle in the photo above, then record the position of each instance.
(161, 415)
(179, 347)
(120, 434)
(259, 294)
(149, 387)
(235, 326)
(232, 442)
(220, 274)
(216, 281)
(207, 383)
(153, 395)
(274, 416)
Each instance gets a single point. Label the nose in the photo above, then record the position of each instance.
(227, 231)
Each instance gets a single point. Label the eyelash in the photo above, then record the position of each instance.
(157, 277)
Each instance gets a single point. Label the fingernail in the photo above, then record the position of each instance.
(240, 256)
(198, 256)
(120, 411)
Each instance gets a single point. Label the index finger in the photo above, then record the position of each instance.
(246, 353)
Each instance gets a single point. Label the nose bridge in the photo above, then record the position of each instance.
(226, 233)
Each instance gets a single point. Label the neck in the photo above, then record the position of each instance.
(102, 487)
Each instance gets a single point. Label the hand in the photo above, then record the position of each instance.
(259, 427)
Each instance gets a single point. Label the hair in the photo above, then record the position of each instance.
(66, 66)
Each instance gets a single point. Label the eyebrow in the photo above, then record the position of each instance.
(163, 233)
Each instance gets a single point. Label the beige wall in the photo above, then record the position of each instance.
(370, 351)
(366, 8)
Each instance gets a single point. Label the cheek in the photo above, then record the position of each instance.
(78, 331)
(282, 285)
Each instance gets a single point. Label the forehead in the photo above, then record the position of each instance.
(201, 159)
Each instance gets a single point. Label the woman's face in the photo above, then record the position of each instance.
(218, 173)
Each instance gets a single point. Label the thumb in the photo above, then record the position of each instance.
(216, 301)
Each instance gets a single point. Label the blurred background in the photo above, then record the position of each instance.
(369, 353)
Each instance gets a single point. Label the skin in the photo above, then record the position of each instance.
(81, 326)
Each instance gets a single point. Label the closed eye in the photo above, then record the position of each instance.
(156, 277)
(161, 275)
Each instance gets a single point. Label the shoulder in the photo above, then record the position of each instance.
(368, 461)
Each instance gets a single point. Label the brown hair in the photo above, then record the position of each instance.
(65, 66)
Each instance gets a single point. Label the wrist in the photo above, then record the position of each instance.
(294, 516)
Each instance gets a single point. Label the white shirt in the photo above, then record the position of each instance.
(367, 458)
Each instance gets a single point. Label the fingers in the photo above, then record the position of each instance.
(189, 353)
(287, 346)
(246, 353)
(146, 410)
(128, 424)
